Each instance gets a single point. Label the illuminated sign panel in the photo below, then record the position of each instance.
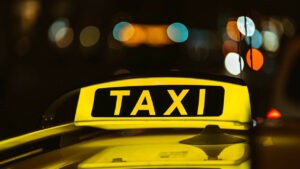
(164, 102)
(159, 101)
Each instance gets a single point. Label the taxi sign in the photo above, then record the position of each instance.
(158, 101)
(164, 102)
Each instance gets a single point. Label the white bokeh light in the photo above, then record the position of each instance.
(270, 41)
(233, 64)
(60, 26)
(250, 26)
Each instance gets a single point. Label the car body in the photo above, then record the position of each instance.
(178, 121)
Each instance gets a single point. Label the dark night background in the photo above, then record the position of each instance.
(34, 72)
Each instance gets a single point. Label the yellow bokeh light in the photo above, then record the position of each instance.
(28, 12)
(89, 36)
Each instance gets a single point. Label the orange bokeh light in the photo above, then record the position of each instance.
(157, 35)
(127, 32)
(139, 36)
(153, 35)
(257, 59)
(233, 32)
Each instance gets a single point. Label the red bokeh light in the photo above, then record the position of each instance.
(273, 114)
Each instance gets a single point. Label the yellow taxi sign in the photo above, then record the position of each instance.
(164, 102)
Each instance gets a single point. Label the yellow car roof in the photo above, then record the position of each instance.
(165, 102)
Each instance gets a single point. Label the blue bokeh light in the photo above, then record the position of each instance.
(178, 32)
(119, 27)
(256, 40)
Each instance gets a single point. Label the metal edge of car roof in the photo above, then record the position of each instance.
(36, 135)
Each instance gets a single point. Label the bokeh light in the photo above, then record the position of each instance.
(64, 37)
(157, 35)
(276, 26)
(56, 27)
(152, 35)
(28, 11)
(178, 32)
(60, 33)
(89, 36)
(270, 41)
(229, 46)
(256, 60)
(246, 25)
(138, 37)
(273, 114)
(256, 40)
(289, 27)
(234, 64)
(233, 32)
(123, 31)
